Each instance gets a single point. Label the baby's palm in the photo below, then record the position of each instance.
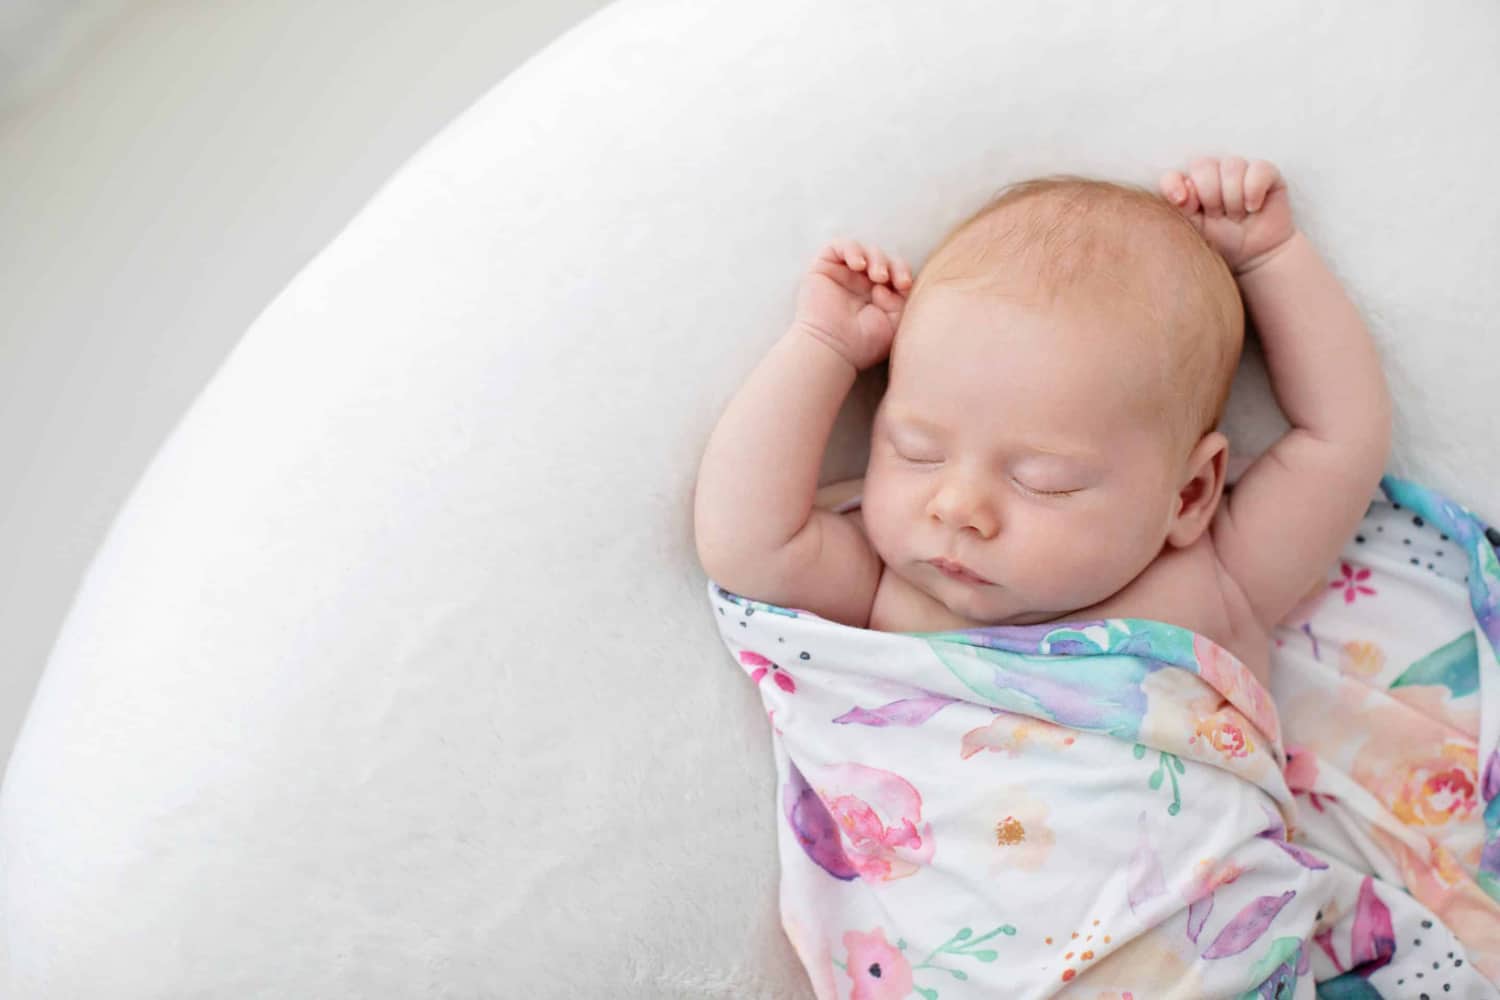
(851, 312)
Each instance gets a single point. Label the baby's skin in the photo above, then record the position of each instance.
(1022, 459)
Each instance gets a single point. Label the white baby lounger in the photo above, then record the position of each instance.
(393, 677)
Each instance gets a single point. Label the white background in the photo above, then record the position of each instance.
(165, 168)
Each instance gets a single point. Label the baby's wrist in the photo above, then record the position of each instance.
(1262, 259)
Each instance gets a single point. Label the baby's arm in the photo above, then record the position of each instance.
(1298, 504)
(757, 529)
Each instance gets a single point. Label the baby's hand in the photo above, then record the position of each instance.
(855, 315)
(1241, 209)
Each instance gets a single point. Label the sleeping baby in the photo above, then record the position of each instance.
(1046, 448)
(1023, 735)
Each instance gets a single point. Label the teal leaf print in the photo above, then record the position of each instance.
(1455, 666)
(1101, 637)
(1349, 986)
(960, 944)
(1170, 766)
(873, 963)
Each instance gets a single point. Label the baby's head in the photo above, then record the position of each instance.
(1075, 338)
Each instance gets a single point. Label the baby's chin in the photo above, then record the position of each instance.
(987, 609)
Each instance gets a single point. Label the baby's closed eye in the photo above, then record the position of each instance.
(1039, 488)
(1047, 492)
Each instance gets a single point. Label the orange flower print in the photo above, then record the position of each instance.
(1436, 790)
(1358, 658)
(1225, 733)
(1351, 582)
(1233, 679)
(1020, 833)
(1208, 875)
(879, 970)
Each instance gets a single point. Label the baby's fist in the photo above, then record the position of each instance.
(852, 299)
(1240, 207)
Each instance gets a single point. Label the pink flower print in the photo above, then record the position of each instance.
(879, 817)
(1350, 582)
(763, 666)
(879, 970)
(1301, 768)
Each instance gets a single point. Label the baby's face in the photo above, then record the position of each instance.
(992, 405)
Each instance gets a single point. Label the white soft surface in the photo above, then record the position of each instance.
(394, 676)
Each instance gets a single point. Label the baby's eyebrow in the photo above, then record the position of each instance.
(1077, 454)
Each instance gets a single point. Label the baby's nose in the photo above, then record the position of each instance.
(959, 506)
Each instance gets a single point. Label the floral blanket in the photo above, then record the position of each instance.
(1119, 809)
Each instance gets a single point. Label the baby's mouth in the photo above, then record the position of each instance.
(955, 571)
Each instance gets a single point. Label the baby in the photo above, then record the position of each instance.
(1046, 449)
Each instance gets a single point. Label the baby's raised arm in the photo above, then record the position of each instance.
(755, 525)
(1299, 503)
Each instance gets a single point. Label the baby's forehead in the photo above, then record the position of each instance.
(1087, 384)
(954, 331)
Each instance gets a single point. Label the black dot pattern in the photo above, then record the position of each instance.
(1437, 974)
(1386, 531)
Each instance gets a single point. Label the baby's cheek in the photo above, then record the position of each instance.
(883, 527)
(1073, 555)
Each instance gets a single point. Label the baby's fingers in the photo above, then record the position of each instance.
(873, 261)
(843, 260)
(1180, 192)
(882, 296)
(1205, 175)
(883, 269)
(1232, 186)
(847, 252)
(891, 270)
(901, 275)
(1260, 180)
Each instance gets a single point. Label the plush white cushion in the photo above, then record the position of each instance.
(395, 676)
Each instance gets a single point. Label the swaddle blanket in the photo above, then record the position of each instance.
(1119, 809)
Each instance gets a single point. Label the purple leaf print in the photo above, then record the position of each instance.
(1198, 915)
(1248, 925)
(1303, 856)
(906, 712)
(815, 829)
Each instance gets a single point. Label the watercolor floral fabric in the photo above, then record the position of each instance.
(1119, 809)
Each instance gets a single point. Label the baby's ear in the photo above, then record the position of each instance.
(1198, 494)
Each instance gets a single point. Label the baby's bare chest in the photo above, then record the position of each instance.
(1183, 587)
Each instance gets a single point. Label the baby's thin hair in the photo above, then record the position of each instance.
(1044, 239)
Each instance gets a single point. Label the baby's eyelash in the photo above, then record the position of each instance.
(1028, 489)
(1044, 493)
